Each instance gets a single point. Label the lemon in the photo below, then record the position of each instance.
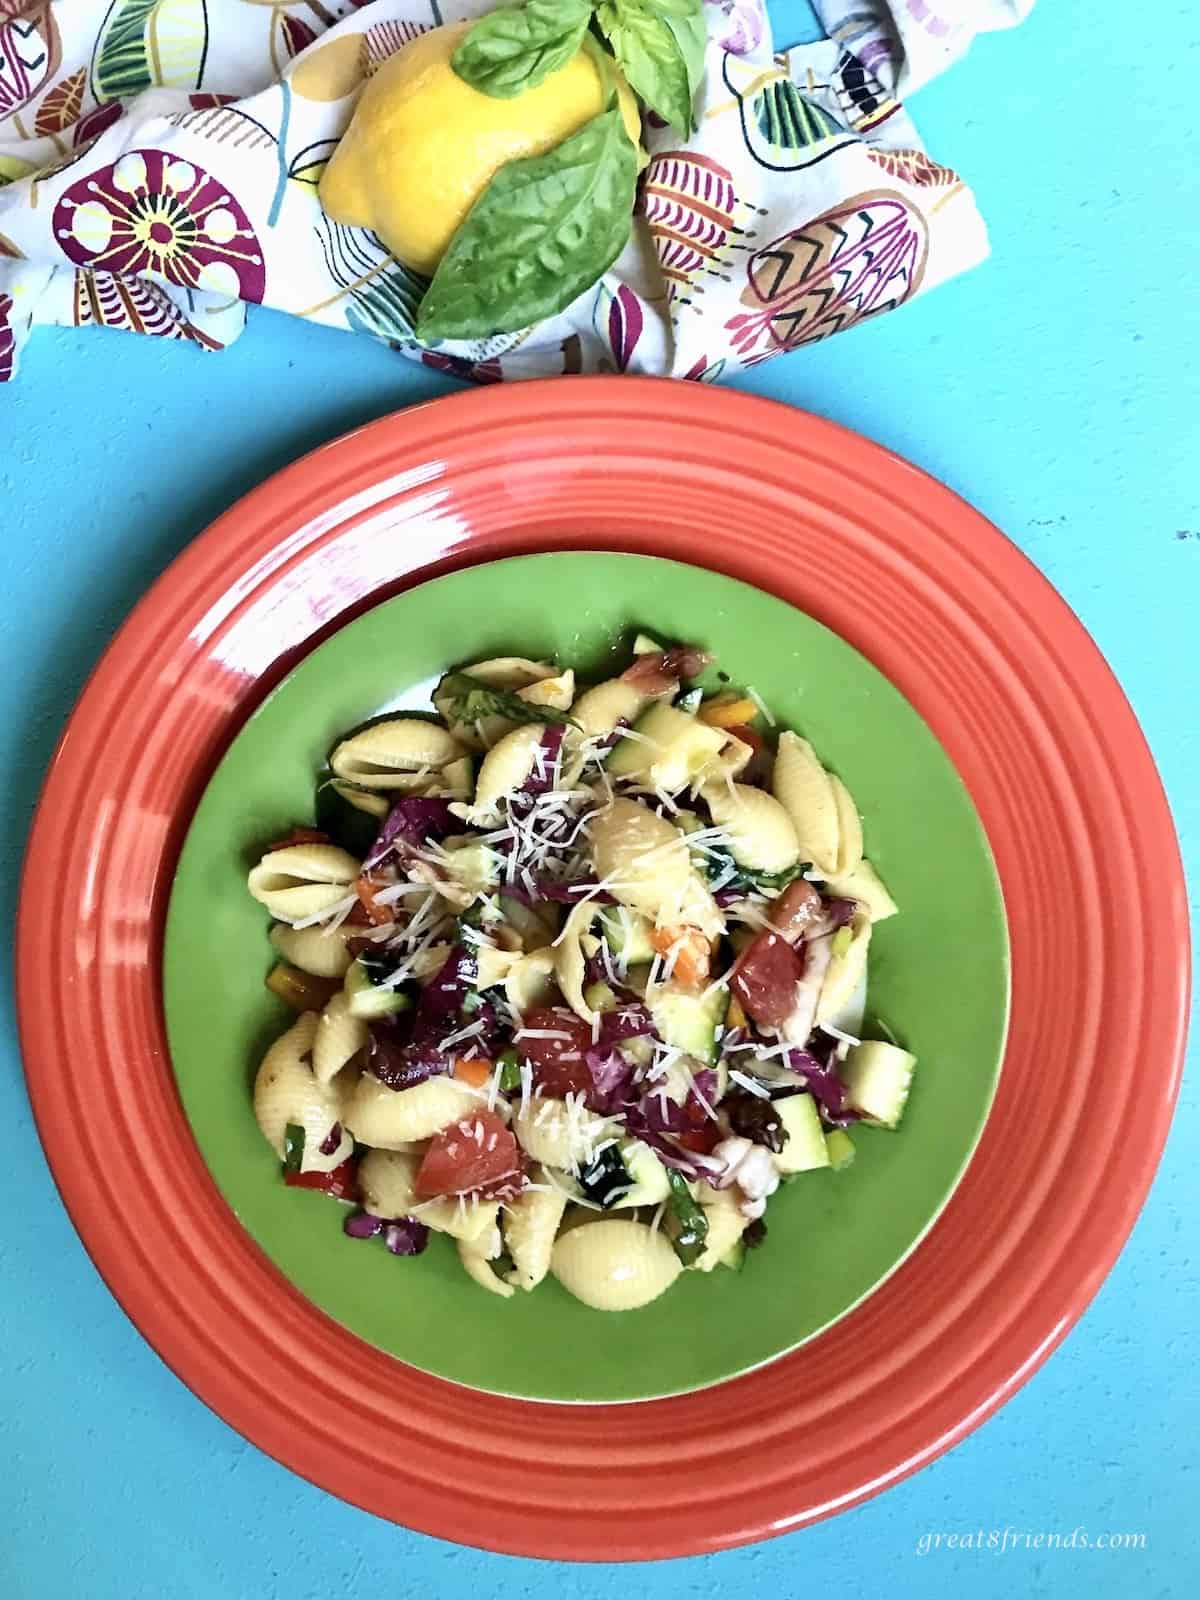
(423, 144)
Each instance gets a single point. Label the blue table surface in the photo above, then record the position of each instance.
(1058, 389)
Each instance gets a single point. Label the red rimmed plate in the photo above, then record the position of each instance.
(1018, 695)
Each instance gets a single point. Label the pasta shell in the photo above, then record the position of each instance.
(760, 832)
(734, 756)
(803, 787)
(570, 965)
(850, 837)
(387, 1118)
(556, 693)
(505, 768)
(314, 950)
(386, 1181)
(556, 1134)
(530, 981)
(598, 710)
(530, 1230)
(464, 1217)
(301, 881)
(864, 885)
(614, 1264)
(726, 1224)
(286, 1091)
(845, 971)
(387, 754)
(338, 1037)
(456, 780)
(493, 966)
(640, 856)
(476, 1256)
(645, 863)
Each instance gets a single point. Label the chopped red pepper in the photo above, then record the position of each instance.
(300, 836)
(341, 1183)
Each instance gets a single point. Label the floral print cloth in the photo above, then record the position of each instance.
(159, 162)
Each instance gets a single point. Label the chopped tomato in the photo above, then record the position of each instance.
(341, 1183)
(693, 954)
(300, 836)
(764, 979)
(475, 1070)
(554, 1041)
(702, 1140)
(365, 888)
(475, 1155)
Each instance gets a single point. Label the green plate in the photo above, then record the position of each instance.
(938, 979)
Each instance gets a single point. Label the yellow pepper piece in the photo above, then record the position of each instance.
(727, 711)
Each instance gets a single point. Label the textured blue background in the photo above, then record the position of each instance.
(1058, 388)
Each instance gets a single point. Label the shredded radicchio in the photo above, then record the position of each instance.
(331, 1140)
(839, 913)
(399, 1061)
(661, 1114)
(411, 821)
(823, 1082)
(545, 888)
(541, 779)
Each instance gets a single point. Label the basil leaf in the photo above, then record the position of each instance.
(661, 54)
(691, 1225)
(542, 232)
(515, 48)
(691, 35)
(471, 701)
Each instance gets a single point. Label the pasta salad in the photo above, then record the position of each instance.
(572, 971)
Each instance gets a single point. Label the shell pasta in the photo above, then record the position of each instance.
(571, 968)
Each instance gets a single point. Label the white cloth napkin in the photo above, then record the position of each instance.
(160, 161)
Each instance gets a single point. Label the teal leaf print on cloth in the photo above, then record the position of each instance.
(788, 120)
(146, 44)
(376, 294)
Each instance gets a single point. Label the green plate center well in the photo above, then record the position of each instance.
(938, 977)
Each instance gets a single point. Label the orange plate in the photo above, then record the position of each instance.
(1017, 693)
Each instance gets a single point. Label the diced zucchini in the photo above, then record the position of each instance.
(644, 645)
(840, 1147)
(690, 702)
(878, 1077)
(670, 751)
(368, 999)
(688, 1021)
(599, 996)
(804, 1148)
(627, 934)
(647, 1175)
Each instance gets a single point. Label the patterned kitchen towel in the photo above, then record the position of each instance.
(160, 161)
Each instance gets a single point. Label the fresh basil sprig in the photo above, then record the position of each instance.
(542, 232)
(471, 700)
(515, 48)
(659, 46)
(691, 1225)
